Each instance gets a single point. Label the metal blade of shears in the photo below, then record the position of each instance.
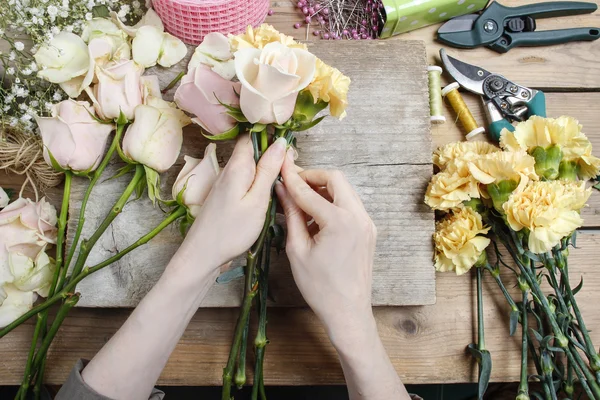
(459, 24)
(470, 77)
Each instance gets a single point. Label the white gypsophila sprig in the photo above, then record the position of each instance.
(25, 25)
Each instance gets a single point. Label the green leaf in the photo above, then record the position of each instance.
(258, 128)
(278, 237)
(230, 134)
(237, 115)
(574, 239)
(100, 11)
(232, 274)
(578, 287)
(53, 161)
(139, 189)
(314, 122)
(514, 321)
(97, 119)
(153, 180)
(227, 106)
(122, 171)
(123, 156)
(122, 120)
(484, 359)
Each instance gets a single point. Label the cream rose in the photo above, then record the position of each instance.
(459, 241)
(73, 137)
(150, 18)
(271, 79)
(215, 52)
(118, 89)
(15, 304)
(549, 210)
(155, 137)
(462, 150)
(66, 60)
(195, 180)
(151, 46)
(450, 188)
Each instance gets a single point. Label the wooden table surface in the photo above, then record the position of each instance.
(426, 344)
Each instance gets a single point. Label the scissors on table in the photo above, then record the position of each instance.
(504, 100)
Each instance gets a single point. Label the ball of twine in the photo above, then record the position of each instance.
(22, 153)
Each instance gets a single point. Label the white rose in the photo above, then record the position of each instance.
(156, 135)
(106, 41)
(150, 18)
(66, 60)
(215, 52)
(271, 78)
(151, 46)
(16, 303)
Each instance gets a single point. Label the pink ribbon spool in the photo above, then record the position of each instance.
(191, 20)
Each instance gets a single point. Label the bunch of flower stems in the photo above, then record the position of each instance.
(63, 286)
(258, 259)
(556, 340)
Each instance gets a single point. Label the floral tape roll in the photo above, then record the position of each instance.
(435, 94)
(191, 20)
(451, 93)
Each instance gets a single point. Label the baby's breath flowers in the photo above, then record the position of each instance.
(26, 26)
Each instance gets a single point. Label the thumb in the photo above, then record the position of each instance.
(297, 231)
(267, 170)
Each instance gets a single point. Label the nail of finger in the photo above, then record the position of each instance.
(290, 154)
(279, 147)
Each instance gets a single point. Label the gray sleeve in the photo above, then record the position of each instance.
(76, 389)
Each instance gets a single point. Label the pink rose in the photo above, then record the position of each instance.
(118, 89)
(75, 139)
(271, 78)
(198, 94)
(196, 179)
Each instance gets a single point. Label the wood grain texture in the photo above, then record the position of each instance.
(426, 343)
(382, 146)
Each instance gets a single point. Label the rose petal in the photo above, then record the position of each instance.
(147, 45)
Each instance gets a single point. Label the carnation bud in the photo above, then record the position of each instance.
(568, 171)
(547, 161)
(306, 109)
(500, 192)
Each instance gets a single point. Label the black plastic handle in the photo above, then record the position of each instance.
(544, 38)
(543, 10)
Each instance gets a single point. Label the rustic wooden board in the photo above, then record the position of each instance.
(383, 147)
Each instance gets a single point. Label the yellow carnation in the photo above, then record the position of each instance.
(260, 37)
(500, 166)
(549, 210)
(458, 241)
(463, 150)
(564, 132)
(331, 86)
(449, 188)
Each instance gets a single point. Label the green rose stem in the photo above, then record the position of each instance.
(95, 177)
(88, 244)
(524, 385)
(42, 317)
(261, 341)
(67, 290)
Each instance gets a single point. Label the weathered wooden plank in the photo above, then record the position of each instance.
(571, 65)
(383, 146)
(426, 344)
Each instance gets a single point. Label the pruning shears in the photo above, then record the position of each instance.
(504, 100)
(501, 28)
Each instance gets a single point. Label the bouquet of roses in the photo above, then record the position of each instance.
(261, 82)
(525, 195)
(265, 83)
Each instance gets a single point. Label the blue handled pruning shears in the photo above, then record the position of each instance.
(504, 100)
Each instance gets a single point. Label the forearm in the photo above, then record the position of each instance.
(129, 365)
(367, 368)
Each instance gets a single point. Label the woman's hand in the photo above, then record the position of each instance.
(332, 257)
(234, 212)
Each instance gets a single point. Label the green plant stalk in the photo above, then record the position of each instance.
(579, 362)
(88, 244)
(39, 381)
(172, 84)
(42, 318)
(480, 325)
(81, 221)
(65, 292)
(524, 384)
(591, 351)
(62, 313)
(496, 275)
(584, 382)
(261, 340)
